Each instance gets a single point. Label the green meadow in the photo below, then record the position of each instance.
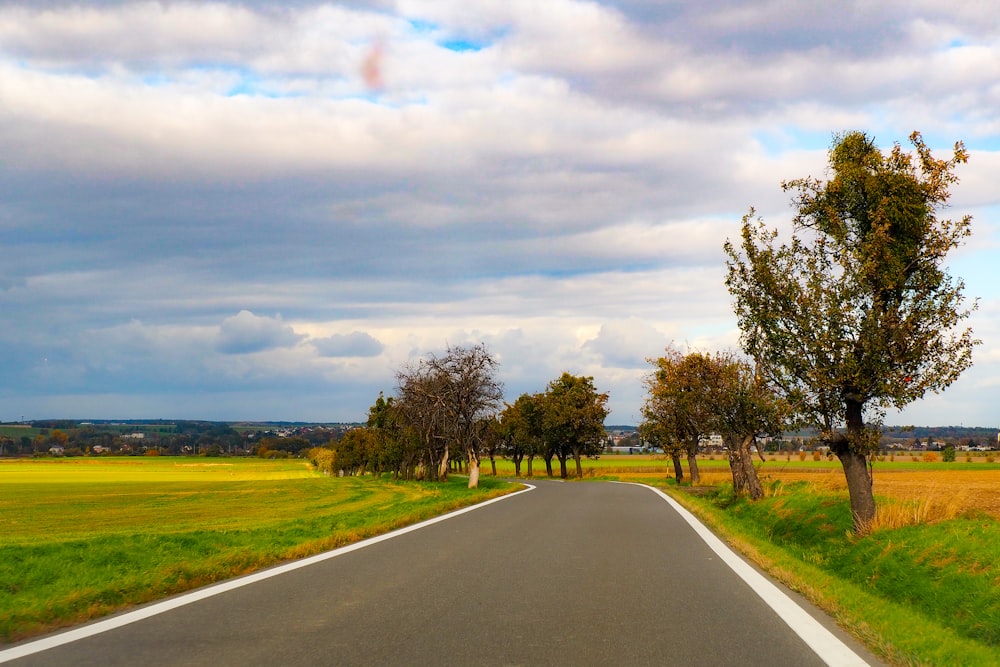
(84, 537)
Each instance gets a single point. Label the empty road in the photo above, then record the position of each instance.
(564, 574)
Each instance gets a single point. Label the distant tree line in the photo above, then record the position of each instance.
(448, 413)
(70, 438)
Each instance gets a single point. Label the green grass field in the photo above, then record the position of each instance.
(16, 432)
(84, 537)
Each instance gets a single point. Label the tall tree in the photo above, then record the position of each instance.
(657, 429)
(522, 425)
(679, 403)
(573, 419)
(450, 395)
(744, 407)
(854, 312)
(419, 399)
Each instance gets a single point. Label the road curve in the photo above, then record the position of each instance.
(566, 574)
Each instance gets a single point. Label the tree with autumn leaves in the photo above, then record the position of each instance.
(690, 396)
(853, 311)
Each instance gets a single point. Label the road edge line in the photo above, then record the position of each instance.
(824, 643)
(98, 627)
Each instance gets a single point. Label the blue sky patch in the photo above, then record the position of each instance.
(462, 45)
(778, 140)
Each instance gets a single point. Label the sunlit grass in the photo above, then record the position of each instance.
(99, 535)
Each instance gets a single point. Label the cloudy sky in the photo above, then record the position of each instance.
(261, 210)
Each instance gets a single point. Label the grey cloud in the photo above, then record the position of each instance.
(356, 344)
(245, 332)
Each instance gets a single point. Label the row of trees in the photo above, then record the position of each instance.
(449, 409)
(565, 421)
(691, 396)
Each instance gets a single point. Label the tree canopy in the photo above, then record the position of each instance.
(854, 311)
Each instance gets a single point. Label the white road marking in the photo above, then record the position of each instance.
(823, 642)
(114, 622)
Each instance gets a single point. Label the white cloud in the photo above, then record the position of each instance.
(246, 333)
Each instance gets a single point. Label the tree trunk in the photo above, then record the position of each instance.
(531, 461)
(517, 465)
(493, 465)
(443, 474)
(693, 463)
(548, 465)
(745, 480)
(859, 485)
(855, 464)
(474, 472)
(579, 466)
(678, 470)
(563, 474)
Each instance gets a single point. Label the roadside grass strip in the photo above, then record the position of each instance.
(157, 608)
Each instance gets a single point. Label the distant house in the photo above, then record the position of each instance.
(56, 449)
(713, 440)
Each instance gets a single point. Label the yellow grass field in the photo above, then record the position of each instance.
(940, 491)
(962, 489)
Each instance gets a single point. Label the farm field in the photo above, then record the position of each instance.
(963, 485)
(84, 537)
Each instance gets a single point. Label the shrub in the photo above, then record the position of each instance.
(948, 455)
(323, 458)
(802, 456)
(930, 457)
(817, 456)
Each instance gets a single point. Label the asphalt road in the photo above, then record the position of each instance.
(565, 574)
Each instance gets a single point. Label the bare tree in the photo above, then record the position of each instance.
(445, 398)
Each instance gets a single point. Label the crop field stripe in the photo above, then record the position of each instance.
(823, 642)
(39, 645)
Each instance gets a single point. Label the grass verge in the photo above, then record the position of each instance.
(81, 540)
(924, 594)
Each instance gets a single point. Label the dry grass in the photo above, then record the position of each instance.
(936, 503)
(911, 496)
